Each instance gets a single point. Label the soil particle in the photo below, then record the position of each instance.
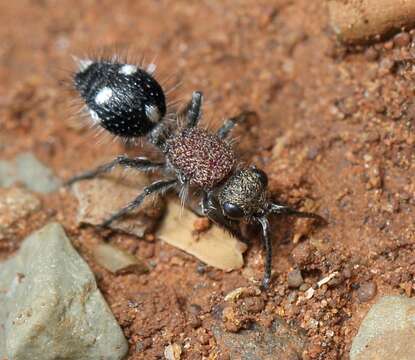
(402, 39)
(301, 253)
(173, 352)
(371, 54)
(294, 279)
(16, 204)
(367, 291)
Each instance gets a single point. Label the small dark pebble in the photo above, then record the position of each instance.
(201, 268)
(195, 309)
(367, 291)
(312, 153)
(292, 296)
(402, 39)
(294, 279)
(194, 321)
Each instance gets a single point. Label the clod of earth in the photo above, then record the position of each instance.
(51, 307)
(357, 21)
(215, 247)
(100, 198)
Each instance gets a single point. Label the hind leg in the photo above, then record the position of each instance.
(139, 163)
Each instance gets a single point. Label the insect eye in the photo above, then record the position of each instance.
(233, 211)
(262, 177)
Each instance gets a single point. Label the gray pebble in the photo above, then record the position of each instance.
(294, 279)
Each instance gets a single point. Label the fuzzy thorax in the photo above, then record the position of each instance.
(201, 157)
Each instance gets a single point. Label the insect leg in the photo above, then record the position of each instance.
(286, 210)
(193, 110)
(139, 163)
(268, 251)
(156, 187)
(229, 124)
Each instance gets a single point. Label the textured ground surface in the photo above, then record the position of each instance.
(334, 131)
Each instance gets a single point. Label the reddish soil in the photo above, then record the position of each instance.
(334, 130)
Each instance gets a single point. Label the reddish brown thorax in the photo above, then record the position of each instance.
(203, 158)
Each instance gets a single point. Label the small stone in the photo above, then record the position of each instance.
(294, 279)
(173, 352)
(402, 39)
(367, 291)
(387, 331)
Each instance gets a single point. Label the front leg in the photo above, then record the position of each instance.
(288, 211)
(266, 280)
(193, 110)
(229, 124)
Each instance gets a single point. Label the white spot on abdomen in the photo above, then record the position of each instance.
(152, 113)
(128, 69)
(103, 96)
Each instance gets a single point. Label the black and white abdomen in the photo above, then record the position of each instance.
(124, 99)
